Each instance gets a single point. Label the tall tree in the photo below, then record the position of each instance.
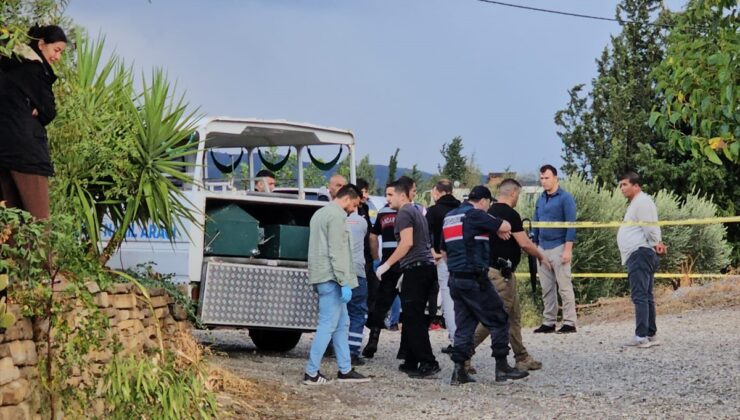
(364, 170)
(604, 131)
(392, 166)
(699, 79)
(455, 163)
(415, 174)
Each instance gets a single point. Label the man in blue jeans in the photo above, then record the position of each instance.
(639, 246)
(330, 272)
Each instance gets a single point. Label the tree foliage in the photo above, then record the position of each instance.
(605, 130)
(699, 80)
(455, 163)
(415, 174)
(393, 166)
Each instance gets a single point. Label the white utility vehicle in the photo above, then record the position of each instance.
(245, 257)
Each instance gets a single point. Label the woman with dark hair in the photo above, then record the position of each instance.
(26, 107)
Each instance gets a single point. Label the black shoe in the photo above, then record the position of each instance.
(545, 329)
(406, 367)
(351, 377)
(319, 379)
(565, 329)
(372, 343)
(504, 372)
(460, 375)
(393, 327)
(357, 360)
(448, 349)
(401, 355)
(425, 371)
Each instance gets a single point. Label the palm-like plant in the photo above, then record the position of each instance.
(117, 153)
(162, 130)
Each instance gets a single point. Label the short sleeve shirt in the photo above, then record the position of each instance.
(509, 249)
(411, 217)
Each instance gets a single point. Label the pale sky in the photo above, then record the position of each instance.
(411, 74)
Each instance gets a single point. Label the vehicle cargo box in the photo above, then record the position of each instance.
(286, 242)
(231, 231)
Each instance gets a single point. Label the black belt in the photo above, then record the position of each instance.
(418, 264)
(467, 276)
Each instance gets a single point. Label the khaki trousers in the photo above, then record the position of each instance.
(507, 291)
(554, 282)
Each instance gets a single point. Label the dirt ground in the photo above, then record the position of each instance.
(694, 373)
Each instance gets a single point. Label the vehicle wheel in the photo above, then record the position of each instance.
(275, 340)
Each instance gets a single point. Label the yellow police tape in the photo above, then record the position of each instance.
(707, 221)
(657, 275)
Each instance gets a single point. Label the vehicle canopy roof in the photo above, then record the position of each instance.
(251, 133)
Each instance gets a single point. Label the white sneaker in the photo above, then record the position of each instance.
(639, 342)
(654, 340)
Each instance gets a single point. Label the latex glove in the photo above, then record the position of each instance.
(346, 293)
(376, 264)
(381, 270)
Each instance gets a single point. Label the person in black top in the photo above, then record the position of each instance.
(444, 201)
(27, 106)
(386, 291)
(419, 276)
(505, 257)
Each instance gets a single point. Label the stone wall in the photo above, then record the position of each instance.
(133, 323)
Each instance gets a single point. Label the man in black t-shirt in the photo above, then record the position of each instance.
(419, 276)
(505, 257)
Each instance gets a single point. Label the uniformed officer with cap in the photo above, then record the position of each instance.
(466, 232)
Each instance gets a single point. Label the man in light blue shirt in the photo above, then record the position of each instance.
(556, 244)
(639, 247)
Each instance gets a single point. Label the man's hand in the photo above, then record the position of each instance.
(346, 293)
(660, 248)
(504, 231)
(567, 256)
(35, 112)
(544, 262)
(381, 270)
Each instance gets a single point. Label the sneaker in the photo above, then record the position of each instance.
(426, 371)
(545, 329)
(565, 329)
(408, 368)
(357, 360)
(654, 340)
(448, 349)
(352, 377)
(393, 327)
(641, 343)
(528, 364)
(319, 379)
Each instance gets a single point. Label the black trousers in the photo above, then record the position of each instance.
(477, 302)
(372, 287)
(417, 282)
(384, 297)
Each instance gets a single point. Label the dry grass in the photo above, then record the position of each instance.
(237, 397)
(713, 294)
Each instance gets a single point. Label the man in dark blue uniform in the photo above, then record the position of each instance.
(466, 231)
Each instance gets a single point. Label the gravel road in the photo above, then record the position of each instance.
(695, 373)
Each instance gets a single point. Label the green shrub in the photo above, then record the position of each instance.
(596, 251)
(149, 388)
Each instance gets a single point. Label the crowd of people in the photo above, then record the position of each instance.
(467, 253)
